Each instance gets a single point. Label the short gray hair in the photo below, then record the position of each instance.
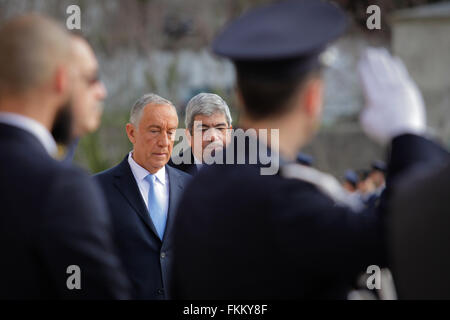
(142, 102)
(205, 104)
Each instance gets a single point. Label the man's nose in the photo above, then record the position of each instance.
(212, 135)
(101, 91)
(164, 140)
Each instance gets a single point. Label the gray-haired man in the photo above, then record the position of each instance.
(208, 127)
(142, 193)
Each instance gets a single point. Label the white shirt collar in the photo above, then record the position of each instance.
(32, 126)
(141, 173)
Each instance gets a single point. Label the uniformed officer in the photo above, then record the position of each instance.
(350, 180)
(243, 235)
(305, 159)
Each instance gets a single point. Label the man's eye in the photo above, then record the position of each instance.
(94, 79)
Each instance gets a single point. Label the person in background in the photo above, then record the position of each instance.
(350, 181)
(365, 185)
(208, 128)
(378, 174)
(305, 159)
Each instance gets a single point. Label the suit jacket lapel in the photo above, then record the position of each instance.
(175, 192)
(127, 185)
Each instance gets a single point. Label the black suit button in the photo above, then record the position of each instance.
(160, 291)
(163, 255)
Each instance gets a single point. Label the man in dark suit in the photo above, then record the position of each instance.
(143, 193)
(55, 232)
(419, 240)
(208, 128)
(246, 233)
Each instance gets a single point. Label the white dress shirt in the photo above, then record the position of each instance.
(31, 126)
(162, 183)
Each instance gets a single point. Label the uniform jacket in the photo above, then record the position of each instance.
(243, 235)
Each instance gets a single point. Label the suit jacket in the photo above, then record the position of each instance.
(277, 237)
(189, 168)
(144, 255)
(419, 238)
(52, 216)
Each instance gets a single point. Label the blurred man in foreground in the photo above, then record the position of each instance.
(143, 193)
(53, 222)
(243, 235)
(208, 128)
(88, 95)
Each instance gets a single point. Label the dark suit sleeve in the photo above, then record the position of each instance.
(76, 231)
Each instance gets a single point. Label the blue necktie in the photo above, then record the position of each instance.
(155, 207)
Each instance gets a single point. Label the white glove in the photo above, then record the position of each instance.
(394, 105)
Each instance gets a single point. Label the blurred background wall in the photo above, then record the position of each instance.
(163, 47)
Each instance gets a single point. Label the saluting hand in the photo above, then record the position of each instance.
(394, 104)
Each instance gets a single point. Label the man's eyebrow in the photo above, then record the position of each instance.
(220, 124)
(153, 126)
(216, 125)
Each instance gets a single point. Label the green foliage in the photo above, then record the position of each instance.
(92, 158)
(107, 146)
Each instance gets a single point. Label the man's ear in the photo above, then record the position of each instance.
(313, 96)
(131, 133)
(188, 137)
(61, 80)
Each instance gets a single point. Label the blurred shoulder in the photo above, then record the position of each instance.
(71, 176)
(108, 174)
